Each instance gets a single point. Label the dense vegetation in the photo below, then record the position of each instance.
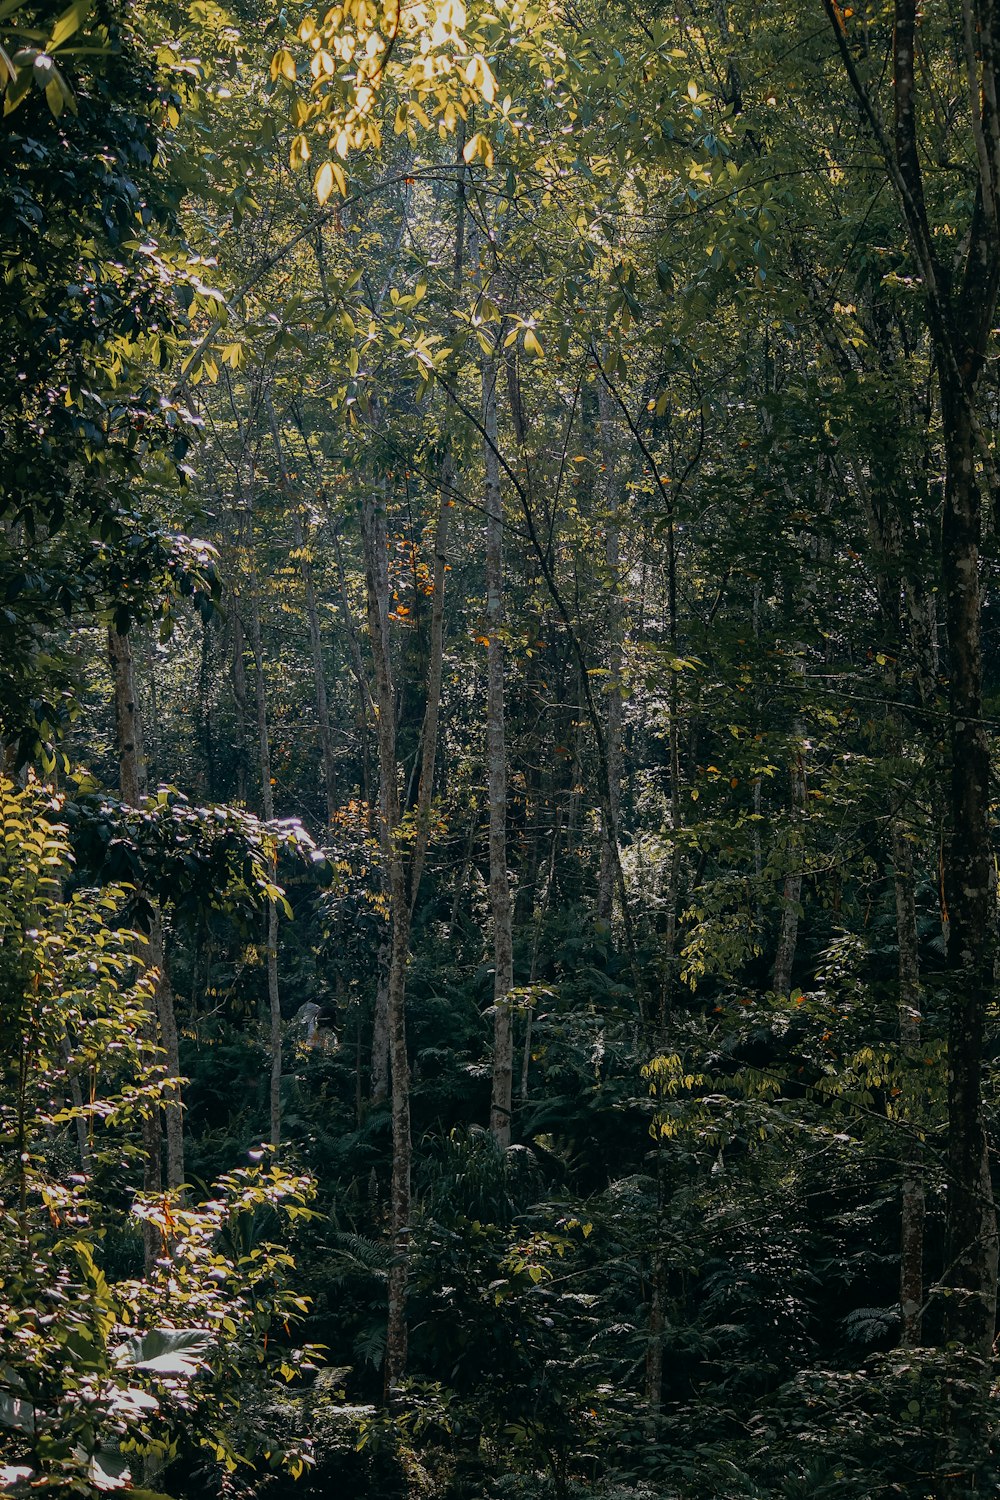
(498, 684)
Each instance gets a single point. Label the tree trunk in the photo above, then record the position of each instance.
(267, 805)
(380, 1024)
(613, 718)
(435, 662)
(161, 1034)
(128, 724)
(167, 1018)
(205, 711)
(911, 1252)
(538, 919)
(496, 752)
(377, 588)
(971, 1251)
(435, 669)
(238, 677)
(357, 666)
(788, 932)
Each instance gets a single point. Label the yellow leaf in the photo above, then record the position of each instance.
(323, 185)
(478, 145)
(531, 344)
(283, 65)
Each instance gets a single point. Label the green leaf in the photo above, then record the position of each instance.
(69, 22)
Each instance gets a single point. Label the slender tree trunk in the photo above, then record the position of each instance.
(161, 1035)
(496, 752)
(657, 1329)
(656, 1336)
(435, 670)
(380, 1022)
(380, 1013)
(788, 932)
(128, 723)
(435, 663)
(539, 918)
(972, 1229)
(911, 1256)
(166, 1015)
(357, 666)
(205, 710)
(613, 717)
(267, 806)
(670, 966)
(319, 672)
(238, 678)
(905, 626)
(377, 588)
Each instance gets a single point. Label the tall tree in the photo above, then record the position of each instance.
(960, 311)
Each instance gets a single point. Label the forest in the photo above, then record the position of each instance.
(499, 687)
